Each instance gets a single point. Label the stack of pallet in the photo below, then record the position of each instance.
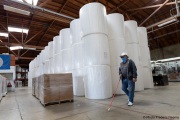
(53, 88)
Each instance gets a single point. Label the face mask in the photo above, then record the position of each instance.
(124, 59)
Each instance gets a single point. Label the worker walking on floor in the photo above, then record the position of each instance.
(128, 75)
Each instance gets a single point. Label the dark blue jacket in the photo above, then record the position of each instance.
(132, 70)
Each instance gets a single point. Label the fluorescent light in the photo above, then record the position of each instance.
(169, 59)
(13, 29)
(4, 34)
(27, 48)
(16, 10)
(32, 2)
(16, 47)
(167, 22)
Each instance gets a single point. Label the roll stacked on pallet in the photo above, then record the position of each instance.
(98, 84)
(77, 58)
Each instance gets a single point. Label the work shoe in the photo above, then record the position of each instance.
(130, 104)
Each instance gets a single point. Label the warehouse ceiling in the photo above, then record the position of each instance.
(44, 24)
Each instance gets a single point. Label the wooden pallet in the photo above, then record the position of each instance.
(53, 103)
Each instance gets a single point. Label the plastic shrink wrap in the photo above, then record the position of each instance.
(78, 82)
(57, 44)
(4, 86)
(131, 31)
(115, 26)
(117, 46)
(93, 19)
(47, 53)
(66, 40)
(145, 56)
(96, 50)
(77, 55)
(76, 32)
(115, 79)
(97, 81)
(147, 77)
(66, 60)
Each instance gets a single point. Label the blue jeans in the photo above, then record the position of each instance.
(128, 87)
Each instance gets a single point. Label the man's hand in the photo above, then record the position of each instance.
(134, 79)
(120, 77)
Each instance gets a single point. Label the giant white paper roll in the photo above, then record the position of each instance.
(66, 39)
(142, 36)
(47, 50)
(144, 56)
(115, 80)
(97, 80)
(117, 47)
(139, 85)
(93, 19)
(51, 65)
(115, 26)
(57, 44)
(134, 53)
(51, 49)
(78, 82)
(96, 50)
(131, 31)
(76, 31)
(147, 77)
(57, 63)
(66, 60)
(77, 55)
(46, 67)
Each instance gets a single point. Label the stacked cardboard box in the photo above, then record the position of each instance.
(54, 87)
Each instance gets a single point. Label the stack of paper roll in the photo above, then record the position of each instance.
(133, 50)
(77, 58)
(145, 57)
(97, 76)
(117, 45)
(66, 52)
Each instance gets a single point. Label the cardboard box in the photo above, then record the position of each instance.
(54, 88)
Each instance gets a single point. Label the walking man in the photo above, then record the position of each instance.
(128, 75)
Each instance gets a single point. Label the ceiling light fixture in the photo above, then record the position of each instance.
(16, 47)
(32, 2)
(13, 29)
(169, 59)
(3, 34)
(16, 10)
(167, 22)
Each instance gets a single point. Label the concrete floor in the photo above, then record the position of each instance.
(160, 101)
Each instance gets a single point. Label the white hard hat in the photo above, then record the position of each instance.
(123, 54)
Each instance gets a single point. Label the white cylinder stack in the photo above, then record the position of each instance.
(57, 54)
(117, 45)
(133, 50)
(145, 57)
(66, 51)
(77, 58)
(98, 84)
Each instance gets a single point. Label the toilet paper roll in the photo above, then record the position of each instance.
(98, 83)
(76, 31)
(93, 19)
(66, 39)
(96, 50)
(115, 26)
(131, 31)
